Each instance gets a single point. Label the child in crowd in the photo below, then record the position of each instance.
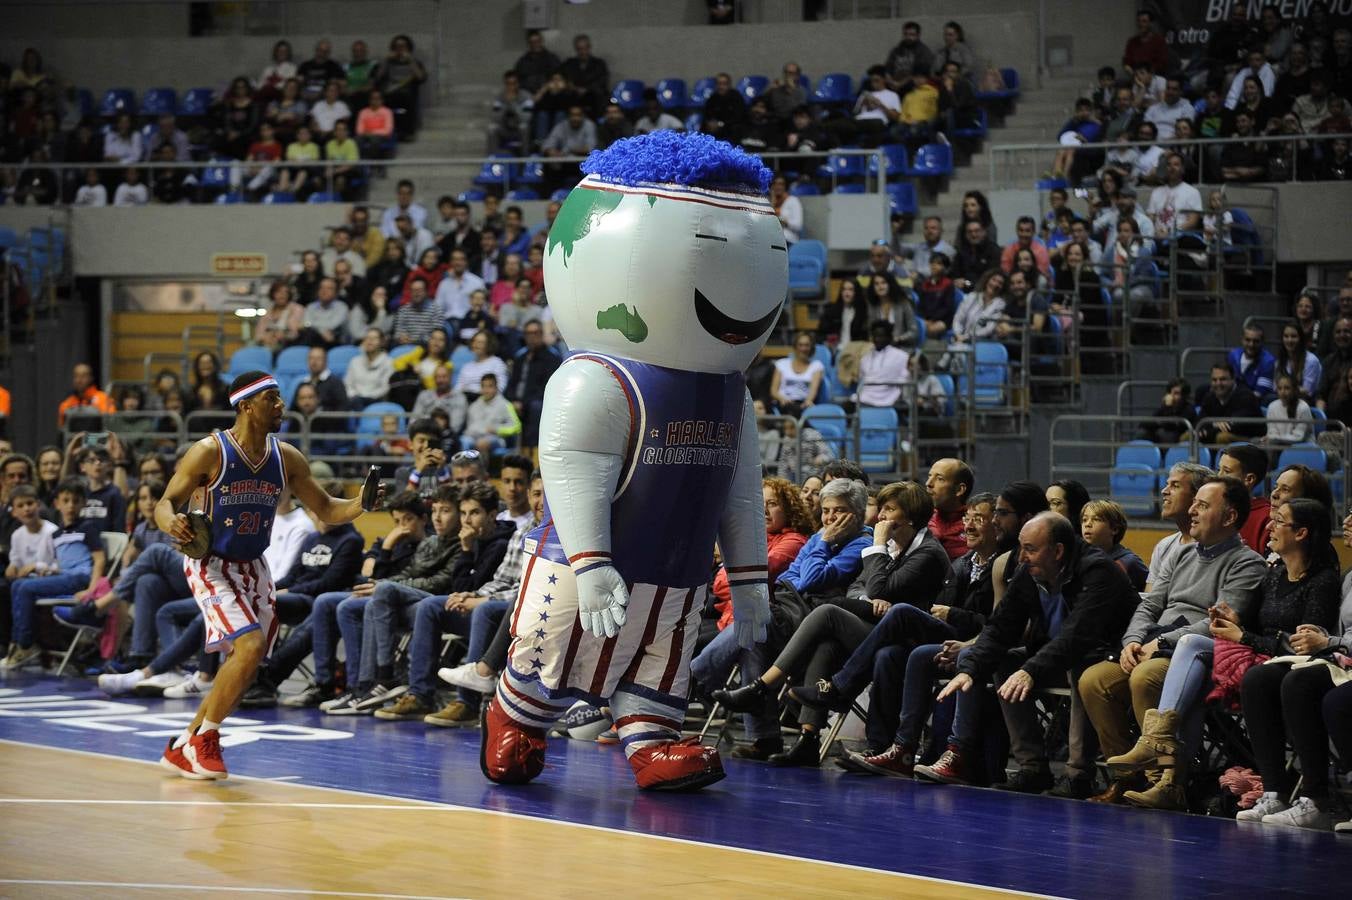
(1217, 221)
(1057, 201)
(1290, 420)
(144, 531)
(31, 551)
(80, 561)
(479, 318)
(937, 298)
(490, 420)
(392, 442)
(1103, 523)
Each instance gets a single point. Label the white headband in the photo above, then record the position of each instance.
(253, 387)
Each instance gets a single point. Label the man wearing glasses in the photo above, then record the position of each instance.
(786, 93)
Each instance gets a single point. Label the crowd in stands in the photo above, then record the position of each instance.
(296, 129)
(1004, 600)
(1255, 80)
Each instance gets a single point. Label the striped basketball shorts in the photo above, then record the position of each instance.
(235, 597)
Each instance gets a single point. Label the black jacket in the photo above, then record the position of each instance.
(329, 561)
(1099, 603)
(915, 578)
(529, 374)
(969, 602)
(1241, 404)
(973, 260)
(473, 570)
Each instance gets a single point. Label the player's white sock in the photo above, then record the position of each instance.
(210, 726)
(183, 738)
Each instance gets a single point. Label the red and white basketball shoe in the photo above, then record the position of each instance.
(174, 760)
(203, 753)
(677, 766)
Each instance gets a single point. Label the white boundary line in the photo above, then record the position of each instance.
(515, 815)
(210, 888)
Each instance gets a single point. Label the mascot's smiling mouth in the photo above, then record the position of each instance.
(727, 329)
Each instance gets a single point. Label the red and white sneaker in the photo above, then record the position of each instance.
(203, 753)
(174, 760)
(684, 765)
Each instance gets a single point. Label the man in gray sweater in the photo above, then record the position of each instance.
(1217, 566)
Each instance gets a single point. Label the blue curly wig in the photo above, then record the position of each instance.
(673, 157)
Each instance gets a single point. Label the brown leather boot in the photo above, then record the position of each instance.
(1119, 786)
(1156, 747)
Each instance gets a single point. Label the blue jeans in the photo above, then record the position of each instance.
(324, 632)
(714, 663)
(1185, 688)
(153, 579)
(24, 593)
(182, 633)
(430, 620)
(350, 613)
(389, 608)
(483, 624)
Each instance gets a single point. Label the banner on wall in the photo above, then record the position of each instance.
(1188, 25)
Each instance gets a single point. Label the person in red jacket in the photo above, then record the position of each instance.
(1146, 46)
(83, 393)
(1250, 465)
(788, 525)
(949, 484)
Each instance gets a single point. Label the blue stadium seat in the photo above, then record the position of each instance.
(933, 161)
(8, 237)
(806, 276)
(159, 101)
(1172, 457)
(473, 195)
(895, 156)
(324, 197)
(810, 247)
(950, 389)
(850, 187)
(560, 195)
(279, 198)
(671, 93)
(831, 386)
(247, 359)
(834, 88)
(117, 101)
(830, 421)
(694, 121)
(1011, 89)
(804, 189)
(460, 357)
(1051, 184)
(839, 166)
(628, 94)
(700, 92)
(878, 438)
(370, 423)
(236, 197)
(340, 356)
(195, 102)
(291, 361)
(497, 171)
(752, 86)
(902, 198)
(521, 194)
(991, 373)
(1134, 476)
(1245, 235)
(977, 130)
(531, 174)
(1311, 455)
(403, 350)
(216, 174)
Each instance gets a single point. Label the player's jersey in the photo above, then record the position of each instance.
(242, 501)
(685, 429)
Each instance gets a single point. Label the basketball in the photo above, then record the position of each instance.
(584, 722)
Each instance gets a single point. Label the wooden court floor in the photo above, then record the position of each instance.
(80, 825)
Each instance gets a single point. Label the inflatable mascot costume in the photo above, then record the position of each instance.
(666, 269)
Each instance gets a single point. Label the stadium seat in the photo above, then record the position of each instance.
(700, 92)
(247, 359)
(671, 93)
(159, 101)
(473, 195)
(370, 423)
(1051, 184)
(814, 248)
(291, 361)
(497, 171)
(849, 187)
(933, 161)
(216, 174)
(324, 197)
(230, 198)
(694, 121)
(1246, 239)
(1011, 89)
(195, 102)
(521, 194)
(1172, 457)
(805, 276)
(950, 391)
(878, 438)
(831, 386)
(403, 350)
(1133, 477)
(532, 173)
(340, 356)
(834, 89)
(460, 356)
(1311, 455)
(752, 86)
(804, 189)
(839, 166)
(628, 94)
(830, 421)
(560, 195)
(117, 101)
(991, 373)
(902, 198)
(8, 237)
(895, 156)
(279, 197)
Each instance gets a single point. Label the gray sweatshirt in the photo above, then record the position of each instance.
(1201, 578)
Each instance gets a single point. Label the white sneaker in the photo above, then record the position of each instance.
(113, 685)
(1268, 804)
(1302, 814)
(336, 702)
(466, 676)
(1343, 827)
(156, 685)
(192, 686)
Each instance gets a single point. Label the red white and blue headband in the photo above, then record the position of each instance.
(252, 388)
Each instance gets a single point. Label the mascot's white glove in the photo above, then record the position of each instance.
(601, 600)
(750, 613)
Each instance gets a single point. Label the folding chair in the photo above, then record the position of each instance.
(713, 711)
(836, 725)
(114, 545)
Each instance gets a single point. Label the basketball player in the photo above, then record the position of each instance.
(241, 473)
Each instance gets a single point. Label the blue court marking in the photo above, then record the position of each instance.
(984, 837)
